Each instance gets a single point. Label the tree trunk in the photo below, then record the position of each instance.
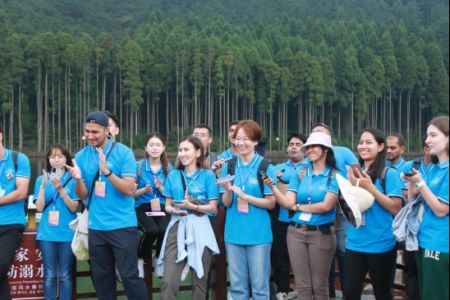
(19, 116)
(11, 120)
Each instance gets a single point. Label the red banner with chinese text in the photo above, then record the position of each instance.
(26, 273)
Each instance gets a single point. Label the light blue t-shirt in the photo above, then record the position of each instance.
(344, 157)
(289, 170)
(13, 213)
(147, 176)
(201, 185)
(253, 228)
(376, 236)
(433, 233)
(402, 166)
(62, 232)
(313, 189)
(116, 210)
(227, 154)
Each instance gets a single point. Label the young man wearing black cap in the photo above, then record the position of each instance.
(105, 172)
(14, 180)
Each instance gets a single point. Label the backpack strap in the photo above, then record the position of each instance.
(183, 182)
(139, 172)
(15, 158)
(263, 166)
(383, 178)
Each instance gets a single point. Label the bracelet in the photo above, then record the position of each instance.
(298, 207)
(109, 174)
(198, 207)
(419, 185)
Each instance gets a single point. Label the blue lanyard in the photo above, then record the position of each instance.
(108, 152)
(310, 185)
(150, 180)
(3, 162)
(56, 195)
(192, 181)
(241, 175)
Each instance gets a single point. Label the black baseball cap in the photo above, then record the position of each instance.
(98, 117)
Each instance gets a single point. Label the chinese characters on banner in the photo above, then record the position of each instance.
(26, 276)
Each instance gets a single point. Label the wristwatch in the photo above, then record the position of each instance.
(109, 174)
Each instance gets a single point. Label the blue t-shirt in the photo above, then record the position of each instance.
(116, 210)
(377, 235)
(313, 189)
(402, 166)
(227, 154)
(201, 185)
(13, 213)
(253, 228)
(433, 233)
(344, 157)
(289, 170)
(147, 176)
(62, 232)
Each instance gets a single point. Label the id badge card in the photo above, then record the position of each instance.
(155, 204)
(305, 217)
(243, 207)
(53, 218)
(100, 189)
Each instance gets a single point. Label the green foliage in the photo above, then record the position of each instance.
(251, 55)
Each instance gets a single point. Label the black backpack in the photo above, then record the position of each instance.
(263, 166)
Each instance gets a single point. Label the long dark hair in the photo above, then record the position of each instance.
(197, 146)
(376, 168)
(163, 157)
(330, 159)
(64, 151)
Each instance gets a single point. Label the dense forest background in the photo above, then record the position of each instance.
(167, 65)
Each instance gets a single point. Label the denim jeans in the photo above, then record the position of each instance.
(249, 266)
(58, 262)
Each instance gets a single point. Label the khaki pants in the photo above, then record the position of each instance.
(311, 254)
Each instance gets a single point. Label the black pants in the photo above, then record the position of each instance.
(411, 275)
(279, 254)
(110, 248)
(154, 229)
(379, 266)
(10, 239)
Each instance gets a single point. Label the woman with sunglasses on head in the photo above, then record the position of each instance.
(312, 195)
(372, 247)
(248, 234)
(150, 202)
(433, 255)
(189, 243)
(55, 197)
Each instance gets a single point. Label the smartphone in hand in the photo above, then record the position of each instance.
(356, 167)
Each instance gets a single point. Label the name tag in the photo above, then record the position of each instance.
(155, 204)
(53, 218)
(305, 217)
(100, 189)
(243, 207)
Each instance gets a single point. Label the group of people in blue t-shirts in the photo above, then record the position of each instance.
(278, 218)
